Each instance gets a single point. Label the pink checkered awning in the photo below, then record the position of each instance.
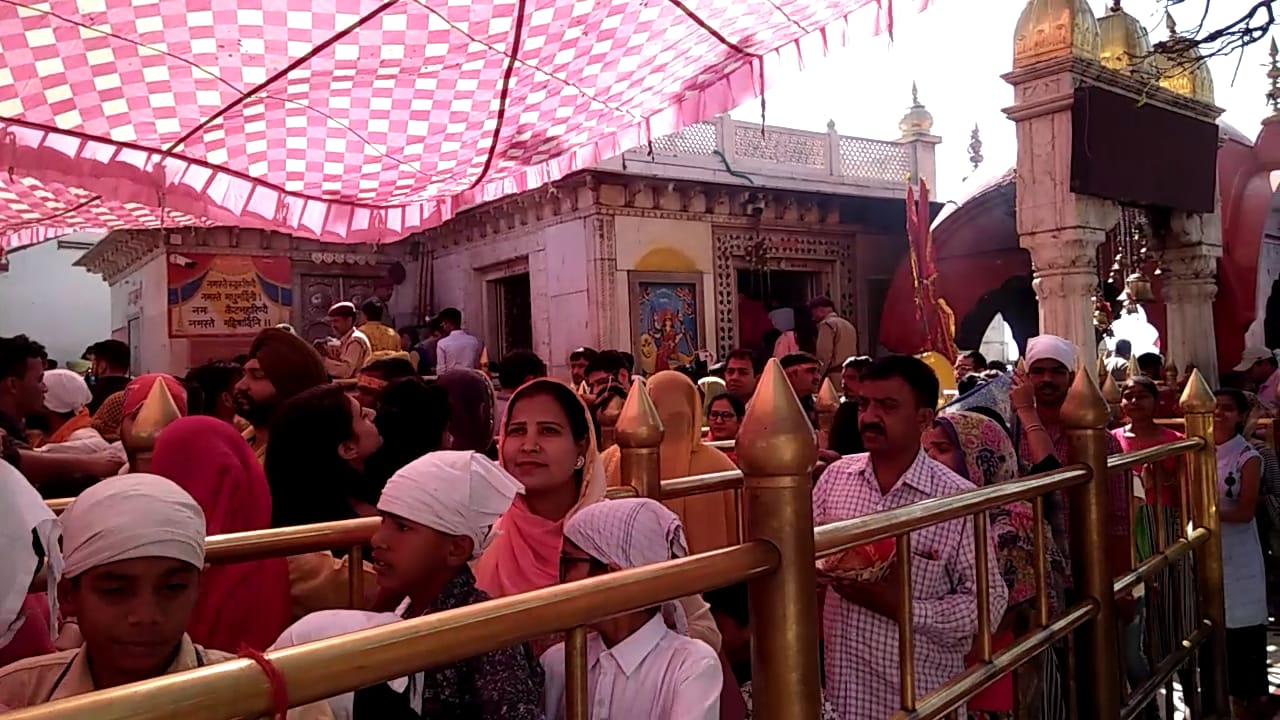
(359, 120)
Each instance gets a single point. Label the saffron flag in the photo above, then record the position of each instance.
(932, 311)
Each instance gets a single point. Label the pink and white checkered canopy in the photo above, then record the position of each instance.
(359, 120)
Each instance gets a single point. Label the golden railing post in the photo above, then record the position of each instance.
(1202, 479)
(639, 433)
(776, 452)
(1111, 393)
(825, 405)
(1084, 414)
(157, 411)
(608, 417)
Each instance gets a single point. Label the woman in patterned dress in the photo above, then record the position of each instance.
(978, 449)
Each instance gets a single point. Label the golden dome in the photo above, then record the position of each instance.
(917, 121)
(1181, 68)
(1050, 29)
(1125, 45)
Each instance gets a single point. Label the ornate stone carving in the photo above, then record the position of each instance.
(730, 250)
(605, 276)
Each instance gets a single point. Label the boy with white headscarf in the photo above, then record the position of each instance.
(438, 514)
(132, 552)
(637, 668)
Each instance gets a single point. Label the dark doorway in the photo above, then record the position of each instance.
(514, 320)
(782, 289)
(1271, 321)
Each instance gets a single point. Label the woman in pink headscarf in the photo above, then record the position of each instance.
(549, 445)
(242, 603)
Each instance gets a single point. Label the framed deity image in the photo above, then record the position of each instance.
(666, 319)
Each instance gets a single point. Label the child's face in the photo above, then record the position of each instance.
(133, 613)
(407, 555)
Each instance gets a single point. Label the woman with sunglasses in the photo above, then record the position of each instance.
(1244, 577)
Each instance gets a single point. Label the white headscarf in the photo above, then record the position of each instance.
(132, 516)
(23, 514)
(1051, 347)
(66, 392)
(457, 492)
(631, 533)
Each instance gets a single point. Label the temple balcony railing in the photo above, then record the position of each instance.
(728, 151)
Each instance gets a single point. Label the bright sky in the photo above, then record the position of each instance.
(956, 51)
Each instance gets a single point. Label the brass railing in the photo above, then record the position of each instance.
(776, 560)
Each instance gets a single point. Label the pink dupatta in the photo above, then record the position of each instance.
(525, 555)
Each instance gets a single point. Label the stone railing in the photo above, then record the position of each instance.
(731, 146)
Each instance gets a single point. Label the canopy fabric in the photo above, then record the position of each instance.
(359, 120)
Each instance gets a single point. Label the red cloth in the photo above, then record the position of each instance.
(243, 604)
(998, 696)
(32, 638)
(136, 392)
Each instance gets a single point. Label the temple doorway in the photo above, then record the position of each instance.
(763, 291)
(510, 301)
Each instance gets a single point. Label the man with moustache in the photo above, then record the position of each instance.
(1051, 363)
(280, 365)
(741, 374)
(898, 395)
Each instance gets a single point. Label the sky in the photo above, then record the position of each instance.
(956, 52)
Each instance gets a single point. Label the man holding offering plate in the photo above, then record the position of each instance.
(860, 614)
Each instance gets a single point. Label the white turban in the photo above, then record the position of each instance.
(631, 533)
(457, 492)
(783, 319)
(23, 514)
(66, 392)
(1051, 347)
(132, 516)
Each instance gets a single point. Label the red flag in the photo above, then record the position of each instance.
(935, 316)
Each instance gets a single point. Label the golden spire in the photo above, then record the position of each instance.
(1125, 46)
(156, 413)
(1180, 67)
(638, 425)
(1196, 396)
(1273, 74)
(775, 437)
(1051, 29)
(1084, 407)
(918, 121)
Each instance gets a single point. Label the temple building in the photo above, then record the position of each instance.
(656, 251)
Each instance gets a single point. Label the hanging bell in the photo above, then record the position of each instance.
(1138, 287)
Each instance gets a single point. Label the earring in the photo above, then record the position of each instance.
(579, 463)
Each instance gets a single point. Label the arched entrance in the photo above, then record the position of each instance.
(1014, 301)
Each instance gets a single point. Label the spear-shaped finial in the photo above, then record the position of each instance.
(975, 147)
(1273, 74)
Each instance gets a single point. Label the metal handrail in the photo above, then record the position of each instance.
(1155, 453)
(402, 648)
(832, 538)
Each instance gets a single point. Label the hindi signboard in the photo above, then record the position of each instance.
(228, 294)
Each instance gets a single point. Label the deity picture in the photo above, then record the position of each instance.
(667, 320)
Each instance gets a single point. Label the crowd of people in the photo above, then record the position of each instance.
(486, 492)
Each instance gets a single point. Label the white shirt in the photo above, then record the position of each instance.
(654, 674)
(458, 349)
(862, 646)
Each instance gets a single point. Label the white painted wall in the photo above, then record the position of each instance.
(43, 295)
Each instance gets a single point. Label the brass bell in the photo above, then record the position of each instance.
(1138, 287)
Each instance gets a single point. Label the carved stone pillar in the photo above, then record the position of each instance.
(1188, 289)
(1065, 277)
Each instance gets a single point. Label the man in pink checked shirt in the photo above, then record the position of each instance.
(860, 620)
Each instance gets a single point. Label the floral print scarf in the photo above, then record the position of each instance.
(988, 458)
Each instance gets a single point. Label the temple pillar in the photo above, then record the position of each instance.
(1190, 264)
(1056, 46)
